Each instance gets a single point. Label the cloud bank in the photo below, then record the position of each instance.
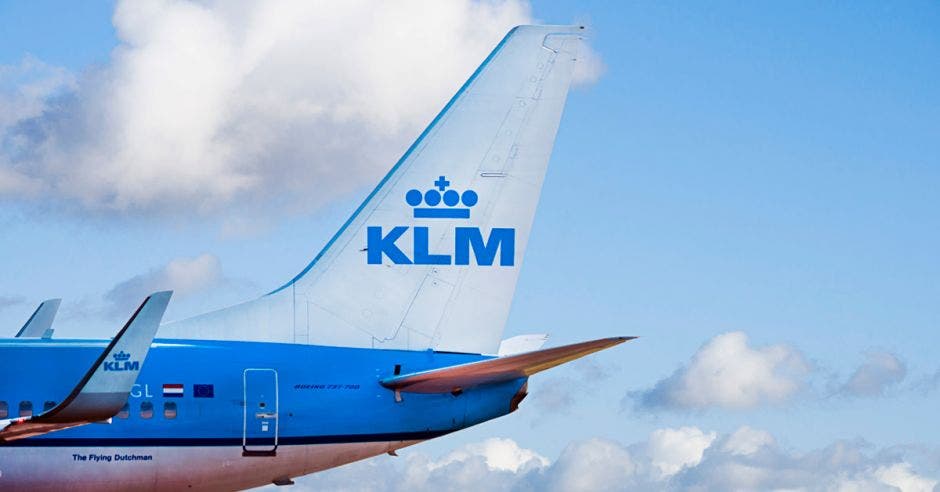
(213, 104)
(686, 458)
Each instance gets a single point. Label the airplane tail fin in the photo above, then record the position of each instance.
(431, 257)
(104, 389)
(41, 320)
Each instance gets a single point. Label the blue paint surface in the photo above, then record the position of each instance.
(324, 394)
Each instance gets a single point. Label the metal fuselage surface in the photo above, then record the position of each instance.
(228, 415)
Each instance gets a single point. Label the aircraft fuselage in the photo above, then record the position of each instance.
(227, 415)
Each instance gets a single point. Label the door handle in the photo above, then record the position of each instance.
(266, 415)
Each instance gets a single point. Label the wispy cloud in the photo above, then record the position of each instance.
(559, 392)
(10, 301)
(879, 372)
(184, 276)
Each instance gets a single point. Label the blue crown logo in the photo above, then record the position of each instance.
(122, 356)
(434, 197)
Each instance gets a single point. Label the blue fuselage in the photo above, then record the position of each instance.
(257, 395)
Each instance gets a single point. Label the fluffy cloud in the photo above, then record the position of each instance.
(902, 476)
(685, 458)
(498, 454)
(727, 372)
(880, 371)
(204, 105)
(595, 464)
(671, 450)
(184, 276)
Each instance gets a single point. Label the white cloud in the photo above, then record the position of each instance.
(494, 464)
(595, 465)
(671, 450)
(589, 68)
(692, 459)
(902, 476)
(880, 371)
(726, 372)
(205, 105)
(184, 276)
(499, 454)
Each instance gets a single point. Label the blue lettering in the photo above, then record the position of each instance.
(125, 366)
(377, 245)
(422, 257)
(501, 239)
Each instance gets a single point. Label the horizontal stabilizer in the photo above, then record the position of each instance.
(41, 320)
(105, 387)
(500, 369)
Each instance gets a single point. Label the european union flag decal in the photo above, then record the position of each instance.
(203, 391)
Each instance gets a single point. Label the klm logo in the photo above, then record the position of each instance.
(442, 203)
(121, 362)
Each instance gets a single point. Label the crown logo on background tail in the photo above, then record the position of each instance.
(122, 356)
(434, 197)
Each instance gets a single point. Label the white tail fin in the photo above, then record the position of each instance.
(431, 257)
(41, 321)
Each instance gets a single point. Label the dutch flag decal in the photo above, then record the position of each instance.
(172, 390)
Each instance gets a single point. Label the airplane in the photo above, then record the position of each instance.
(389, 337)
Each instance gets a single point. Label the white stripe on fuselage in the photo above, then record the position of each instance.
(170, 468)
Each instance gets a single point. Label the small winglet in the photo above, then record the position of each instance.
(500, 369)
(41, 320)
(105, 387)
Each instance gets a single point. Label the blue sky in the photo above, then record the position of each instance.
(770, 169)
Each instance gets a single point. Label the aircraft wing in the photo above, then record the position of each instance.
(41, 320)
(105, 387)
(500, 369)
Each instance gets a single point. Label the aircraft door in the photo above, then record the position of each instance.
(260, 424)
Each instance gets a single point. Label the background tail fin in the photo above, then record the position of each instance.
(41, 320)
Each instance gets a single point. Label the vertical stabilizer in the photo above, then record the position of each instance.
(431, 257)
(41, 321)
